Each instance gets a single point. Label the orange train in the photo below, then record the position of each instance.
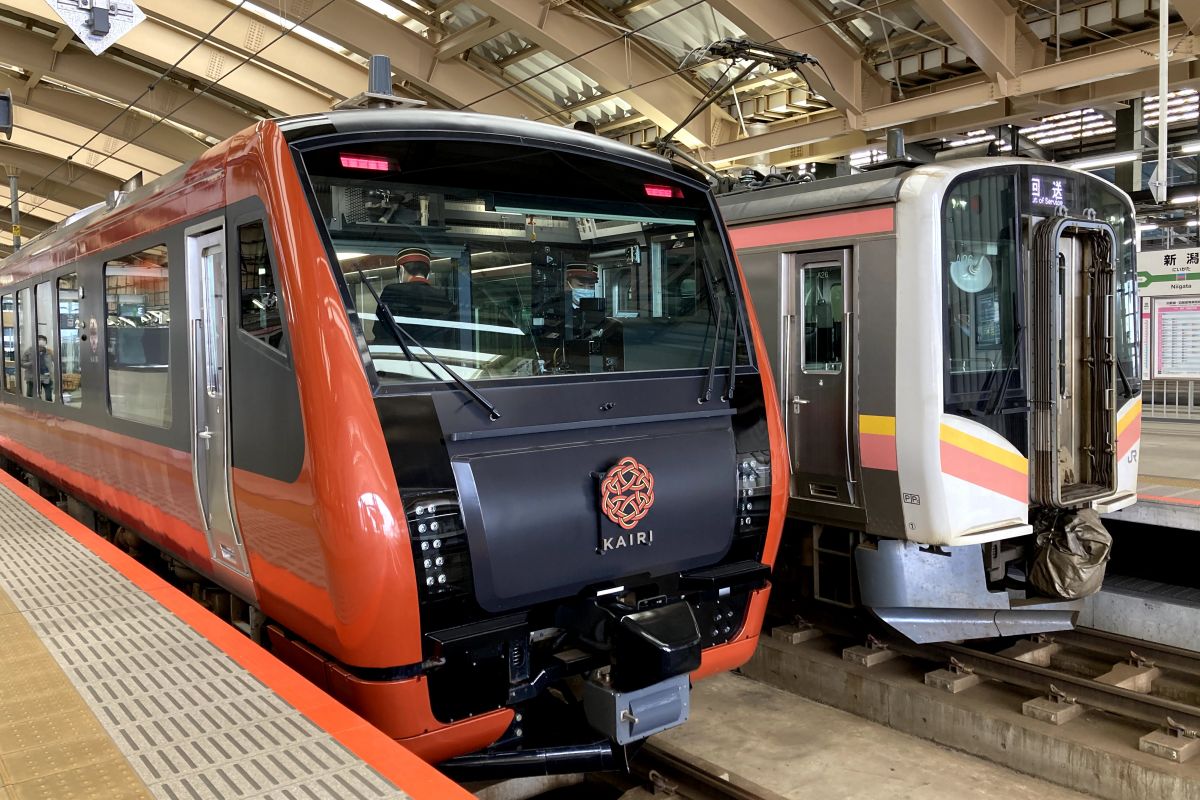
(507, 523)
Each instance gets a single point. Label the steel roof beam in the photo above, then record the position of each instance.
(164, 44)
(991, 32)
(851, 86)
(32, 224)
(1113, 73)
(1189, 10)
(307, 63)
(471, 36)
(453, 81)
(96, 114)
(75, 135)
(70, 185)
(106, 76)
(610, 62)
(92, 157)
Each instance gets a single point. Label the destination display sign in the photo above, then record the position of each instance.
(1049, 191)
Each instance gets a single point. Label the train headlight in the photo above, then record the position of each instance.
(440, 553)
(753, 492)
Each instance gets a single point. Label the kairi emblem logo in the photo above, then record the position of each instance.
(626, 497)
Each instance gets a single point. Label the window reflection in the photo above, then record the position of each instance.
(47, 366)
(8, 326)
(824, 310)
(68, 341)
(981, 286)
(575, 268)
(138, 327)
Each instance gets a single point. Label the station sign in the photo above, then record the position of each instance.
(1169, 283)
(1164, 273)
(98, 23)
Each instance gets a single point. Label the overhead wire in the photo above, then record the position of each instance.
(130, 105)
(858, 10)
(293, 26)
(207, 87)
(578, 56)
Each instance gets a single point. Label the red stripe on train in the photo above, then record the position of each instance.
(829, 226)
(985, 473)
(1129, 437)
(877, 451)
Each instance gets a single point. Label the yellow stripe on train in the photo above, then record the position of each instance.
(984, 449)
(1129, 416)
(882, 426)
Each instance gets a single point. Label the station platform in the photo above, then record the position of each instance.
(1168, 477)
(113, 684)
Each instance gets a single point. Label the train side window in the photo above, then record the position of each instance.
(138, 330)
(27, 341)
(824, 313)
(8, 328)
(70, 373)
(47, 366)
(260, 307)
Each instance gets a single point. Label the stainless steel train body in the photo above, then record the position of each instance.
(956, 346)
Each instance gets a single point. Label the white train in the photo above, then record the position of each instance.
(956, 347)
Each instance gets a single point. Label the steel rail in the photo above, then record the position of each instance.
(692, 778)
(1085, 691)
(1171, 659)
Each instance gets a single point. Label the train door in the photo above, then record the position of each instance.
(1075, 353)
(818, 374)
(207, 284)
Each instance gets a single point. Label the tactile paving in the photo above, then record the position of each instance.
(189, 721)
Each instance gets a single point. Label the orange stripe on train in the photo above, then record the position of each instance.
(828, 226)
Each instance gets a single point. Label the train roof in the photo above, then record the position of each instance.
(875, 187)
(375, 120)
(370, 120)
(786, 199)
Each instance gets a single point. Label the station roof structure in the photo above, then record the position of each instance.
(946, 71)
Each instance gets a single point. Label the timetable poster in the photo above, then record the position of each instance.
(1177, 337)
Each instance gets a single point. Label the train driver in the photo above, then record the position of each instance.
(581, 283)
(414, 298)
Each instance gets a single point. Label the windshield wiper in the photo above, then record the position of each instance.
(712, 360)
(1124, 378)
(993, 404)
(400, 335)
(737, 328)
(706, 395)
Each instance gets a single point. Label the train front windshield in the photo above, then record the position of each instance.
(987, 223)
(509, 261)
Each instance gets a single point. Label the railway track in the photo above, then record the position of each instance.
(667, 773)
(1137, 680)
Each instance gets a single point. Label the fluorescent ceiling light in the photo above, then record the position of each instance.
(1103, 161)
(1186, 198)
(348, 255)
(1148, 226)
(1191, 147)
